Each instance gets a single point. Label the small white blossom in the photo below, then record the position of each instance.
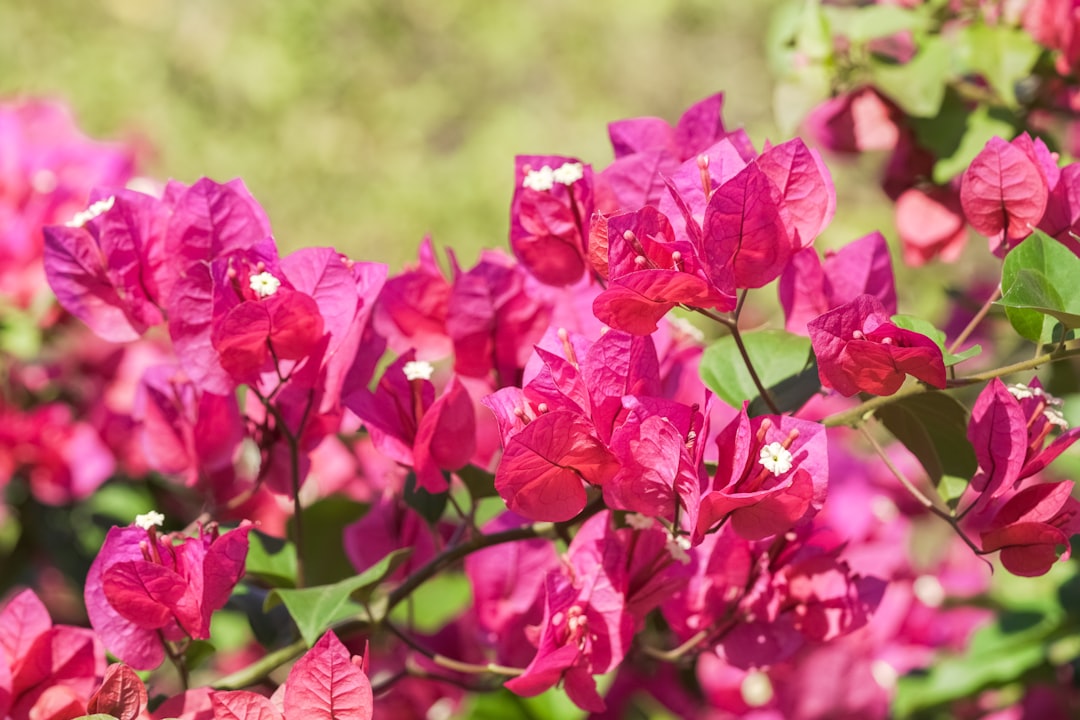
(776, 458)
(639, 521)
(756, 689)
(929, 591)
(677, 547)
(884, 674)
(1056, 417)
(1021, 391)
(98, 208)
(264, 284)
(540, 180)
(149, 520)
(418, 370)
(568, 173)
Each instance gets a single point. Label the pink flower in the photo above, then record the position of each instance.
(144, 588)
(859, 349)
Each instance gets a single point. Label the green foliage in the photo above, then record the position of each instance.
(314, 609)
(324, 523)
(933, 426)
(271, 560)
(918, 87)
(1031, 277)
(776, 355)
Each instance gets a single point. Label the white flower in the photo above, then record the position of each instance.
(568, 173)
(929, 590)
(418, 370)
(1056, 417)
(776, 458)
(540, 180)
(1021, 391)
(98, 208)
(639, 521)
(677, 548)
(149, 520)
(264, 284)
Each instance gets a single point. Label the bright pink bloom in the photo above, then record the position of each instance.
(49, 169)
(1032, 526)
(44, 667)
(772, 473)
(143, 587)
(412, 309)
(585, 630)
(549, 216)
(810, 287)
(858, 121)
(930, 223)
(859, 349)
(411, 426)
(1004, 193)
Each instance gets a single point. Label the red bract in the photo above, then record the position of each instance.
(773, 472)
(495, 313)
(44, 668)
(1032, 527)
(122, 694)
(63, 460)
(858, 121)
(102, 267)
(549, 216)
(325, 684)
(412, 308)
(930, 224)
(1004, 194)
(409, 425)
(809, 287)
(649, 273)
(859, 349)
(49, 169)
(586, 630)
(142, 588)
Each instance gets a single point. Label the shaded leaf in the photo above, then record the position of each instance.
(933, 426)
(776, 355)
(1031, 277)
(316, 608)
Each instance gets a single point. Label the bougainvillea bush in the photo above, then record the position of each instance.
(662, 458)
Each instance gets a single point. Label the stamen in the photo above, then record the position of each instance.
(703, 169)
(568, 349)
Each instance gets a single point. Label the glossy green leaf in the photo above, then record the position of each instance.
(933, 426)
(314, 609)
(791, 393)
(481, 483)
(918, 86)
(775, 354)
(1040, 275)
(271, 559)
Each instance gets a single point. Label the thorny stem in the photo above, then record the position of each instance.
(732, 325)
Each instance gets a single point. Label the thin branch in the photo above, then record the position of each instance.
(259, 670)
(450, 663)
(732, 325)
(979, 316)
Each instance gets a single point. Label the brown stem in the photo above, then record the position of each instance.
(732, 325)
(966, 332)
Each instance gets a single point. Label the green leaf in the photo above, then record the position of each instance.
(918, 86)
(860, 24)
(982, 124)
(323, 553)
(797, 93)
(776, 355)
(271, 559)
(1031, 277)
(1002, 54)
(481, 483)
(791, 393)
(315, 609)
(428, 505)
(933, 426)
(927, 328)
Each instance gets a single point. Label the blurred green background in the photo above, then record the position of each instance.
(366, 124)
